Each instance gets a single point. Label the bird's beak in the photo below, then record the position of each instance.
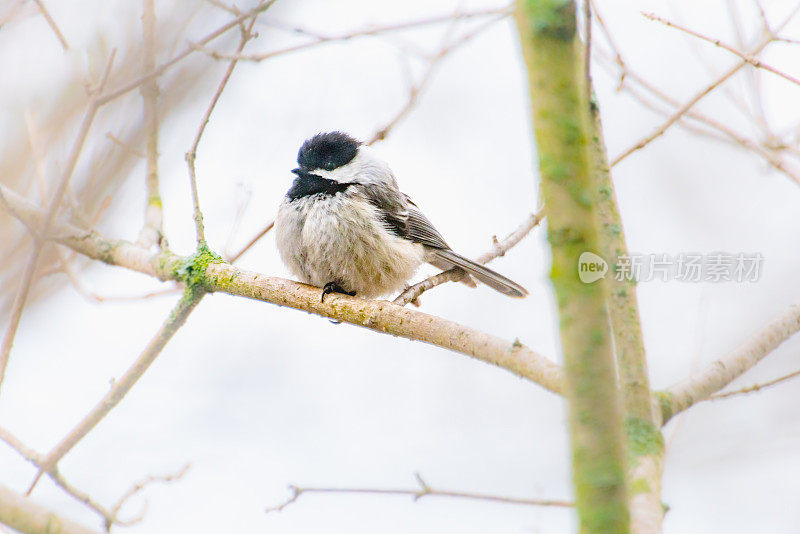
(297, 171)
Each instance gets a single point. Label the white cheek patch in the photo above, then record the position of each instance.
(361, 168)
(329, 175)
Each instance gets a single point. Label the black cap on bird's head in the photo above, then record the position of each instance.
(327, 151)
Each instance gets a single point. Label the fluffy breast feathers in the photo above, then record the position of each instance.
(344, 238)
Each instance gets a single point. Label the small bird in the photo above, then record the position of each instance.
(345, 226)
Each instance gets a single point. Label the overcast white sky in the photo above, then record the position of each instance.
(256, 397)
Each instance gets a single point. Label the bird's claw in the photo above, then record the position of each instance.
(333, 287)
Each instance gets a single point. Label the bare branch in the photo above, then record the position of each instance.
(754, 387)
(746, 57)
(123, 145)
(252, 242)
(21, 296)
(417, 89)
(143, 296)
(659, 131)
(151, 232)
(137, 488)
(728, 134)
(499, 248)
(725, 370)
(224, 7)
(192, 154)
(377, 315)
(122, 386)
(28, 517)
(612, 43)
(158, 71)
(110, 517)
(36, 459)
(52, 23)
(15, 443)
(65, 264)
(369, 31)
(424, 490)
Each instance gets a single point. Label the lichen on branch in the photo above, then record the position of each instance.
(206, 270)
(553, 56)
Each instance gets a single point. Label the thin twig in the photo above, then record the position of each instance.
(424, 490)
(65, 264)
(21, 296)
(754, 387)
(739, 103)
(369, 31)
(158, 71)
(16, 11)
(38, 161)
(728, 134)
(416, 89)
(144, 296)
(499, 248)
(125, 146)
(122, 386)
(754, 85)
(746, 57)
(224, 7)
(252, 242)
(769, 153)
(672, 119)
(151, 232)
(659, 131)
(407, 25)
(137, 488)
(612, 43)
(46, 14)
(36, 459)
(191, 156)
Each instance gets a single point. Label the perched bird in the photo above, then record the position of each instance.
(346, 227)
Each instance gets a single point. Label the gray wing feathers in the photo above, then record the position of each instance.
(496, 281)
(392, 206)
(421, 230)
(405, 219)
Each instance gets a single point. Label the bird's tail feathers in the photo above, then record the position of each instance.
(446, 258)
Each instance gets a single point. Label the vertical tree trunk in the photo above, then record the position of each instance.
(645, 445)
(561, 118)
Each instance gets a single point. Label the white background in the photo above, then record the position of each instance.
(256, 397)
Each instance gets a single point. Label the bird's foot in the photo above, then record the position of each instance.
(333, 287)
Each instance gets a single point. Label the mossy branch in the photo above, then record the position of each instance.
(553, 55)
(645, 466)
(623, 309)
(206, 270)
